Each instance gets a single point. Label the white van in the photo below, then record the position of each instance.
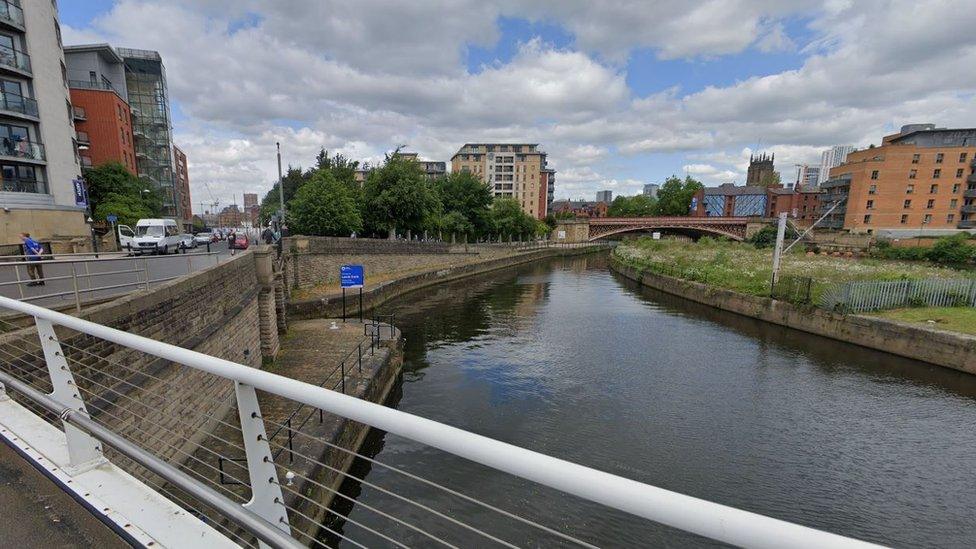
(159, 236)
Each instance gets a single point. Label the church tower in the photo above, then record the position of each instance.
(759, 167)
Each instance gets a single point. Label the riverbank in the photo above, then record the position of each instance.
(948, 349)
(330, 304)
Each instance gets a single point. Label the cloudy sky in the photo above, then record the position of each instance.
(620, 93)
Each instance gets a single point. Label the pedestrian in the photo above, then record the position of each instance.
(33, 251)
(232, 242)
(268, 235)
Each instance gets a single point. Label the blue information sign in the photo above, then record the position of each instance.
(111, 218)
(81, 193)
(351, 276)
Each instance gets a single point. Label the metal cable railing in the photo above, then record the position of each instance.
(128, 400)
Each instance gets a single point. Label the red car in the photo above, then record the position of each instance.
(240, 242)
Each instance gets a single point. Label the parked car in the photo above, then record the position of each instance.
(240, 242)
(159, 236)
(188, 241)
(205, 237)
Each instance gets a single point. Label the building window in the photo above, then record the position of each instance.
(910, 189)
(867, 218)
(955, 188)
(908, 204)
(928, 218)
(873, 189)
(953, 203)
(933, 189)
(950, 218)
(930, 204)
(915, 158)
(938, 158)
(874, 174)
(870, 205)
(962, 157)
(959, 172)
(936, 173)
(912, 174)
(904, 218)
(64, 74)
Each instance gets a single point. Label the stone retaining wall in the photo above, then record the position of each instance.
(331, 305)
(957, 351)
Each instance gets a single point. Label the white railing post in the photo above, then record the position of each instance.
(84, 452)
(266, 498)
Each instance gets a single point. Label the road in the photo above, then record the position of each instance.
(111, 274)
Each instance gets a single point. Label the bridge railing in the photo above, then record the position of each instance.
(106, 388)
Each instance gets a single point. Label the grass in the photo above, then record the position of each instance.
(955, 319)
(743, 268)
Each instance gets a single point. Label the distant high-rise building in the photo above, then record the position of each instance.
(831, 158)
(760, 167)
(250, 199)
(41, 189)
(808, 176)
(512, 170)
(432, 168)
(650, 190)
(604, 196)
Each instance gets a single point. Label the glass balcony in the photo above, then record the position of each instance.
(85, 161)
(11, 14)
(969, 208)
(14, 59)
(83, 139)
(18, 103)
(79, 113)
(19, 185)
(967, 224)
(23, 149)
(969, 193)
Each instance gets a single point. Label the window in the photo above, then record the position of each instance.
(950, 218)
(954, 203)
(910, 189)
(955, 188)
(64, 74)
(930, 204)
(873, 189)
(938, 158)
(904, 218)
(959, 172)
(915, 158)
(933, 189)
(912, 174)
(908, 204)
(936, 173)
(867, 218)
(928, 218)
(962, 157)
(874, 174)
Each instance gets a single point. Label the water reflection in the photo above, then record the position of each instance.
(565, 358)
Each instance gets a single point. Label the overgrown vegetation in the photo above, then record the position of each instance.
(948, 250)
(956, 319)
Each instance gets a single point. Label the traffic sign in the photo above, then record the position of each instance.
(111, 218)
(351, 276)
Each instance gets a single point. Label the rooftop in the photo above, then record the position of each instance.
(103, 49)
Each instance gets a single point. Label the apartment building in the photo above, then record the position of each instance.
(651, 189)
(42, 191)
(919, 181)
(831, 158)
(96, 78)
(181, 173)
(604, 196)
(512, 170)
(799, 202)
(432, 169)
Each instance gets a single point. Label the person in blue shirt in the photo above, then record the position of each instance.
(33, 251)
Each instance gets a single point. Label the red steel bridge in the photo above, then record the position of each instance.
(731, 227)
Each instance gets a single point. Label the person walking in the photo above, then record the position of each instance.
(268, 235)
(232, 242)
(33, 251)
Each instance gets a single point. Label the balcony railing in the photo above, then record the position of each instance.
(82, 138)
(86, 162)
(10, 57)
(18, 185)
(18, 103)
(969, 193)
(27, 150)
(12, 14)
(971, 178)
(88, 85)
(79, 113)
(967, 224)
(969, 208)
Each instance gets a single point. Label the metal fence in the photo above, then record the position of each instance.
(795, 289)
(856, 297)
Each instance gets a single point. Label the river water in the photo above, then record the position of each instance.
(568, 359)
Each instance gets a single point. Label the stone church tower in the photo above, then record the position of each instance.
(759, 167)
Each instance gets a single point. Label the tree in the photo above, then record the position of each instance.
(674, 196)
(632, 206)
(465, 194)
(509, 220)
(324, 207)
(343, 169)
(770, 179)
(293, 180)
(113, 190)
(397, 196)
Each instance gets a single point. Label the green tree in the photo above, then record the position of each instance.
(453, 223)
(508, 219)
(632, 206)
(324, 207)
(343, 169)
(465, 194)
(674, 196)
(397, 197)
(113, 190)
(293, 180)
(952, 250)
(770, 179)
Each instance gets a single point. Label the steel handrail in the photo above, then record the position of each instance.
(702, 517)
(45, 262)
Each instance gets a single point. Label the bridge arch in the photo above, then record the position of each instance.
(704, 230)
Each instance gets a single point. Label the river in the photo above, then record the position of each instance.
(568, 359)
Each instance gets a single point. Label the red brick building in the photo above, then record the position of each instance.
(104, 128)
(182, 180)
(800, 203)
(580, 208)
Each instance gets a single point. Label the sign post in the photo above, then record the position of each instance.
(352, 276)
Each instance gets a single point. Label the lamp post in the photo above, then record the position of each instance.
(281, 186)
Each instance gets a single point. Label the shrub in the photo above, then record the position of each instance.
(765, 238)
(952, 250)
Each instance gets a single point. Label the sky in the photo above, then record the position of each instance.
(618, 93)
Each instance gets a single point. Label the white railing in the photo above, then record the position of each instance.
(856, 297)
(705, 518)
